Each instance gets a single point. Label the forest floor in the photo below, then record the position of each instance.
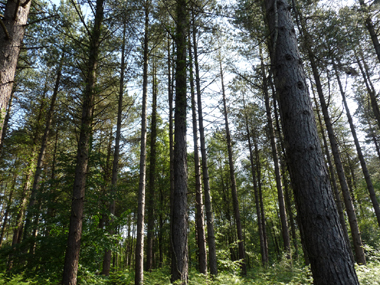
(279, 273)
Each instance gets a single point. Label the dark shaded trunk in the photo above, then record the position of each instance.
(179, 267)
(12, 29)
(139, 266)
(358, 245)
(199, 216)
(330, 260)
(233, 180)
(363, 164)
(334, 185)
(76, 219)
(206, 185)
(152, 174)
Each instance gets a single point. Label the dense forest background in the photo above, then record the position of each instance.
(143, 141)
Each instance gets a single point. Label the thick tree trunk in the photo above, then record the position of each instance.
(152, 174)
(329, 257)
(363, 164)
(209, 213)
(334, 185)
(179, 268)
(76, 219)
(12, 29)
(139, 266)
(233, 180)
(358, 245)
(199, 216)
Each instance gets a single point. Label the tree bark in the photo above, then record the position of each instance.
(152, 174)
(233, 180)
(358, 245)
(329, 257)
(139, 266)
(179, 268)
(206, 184)
(363, 164)
(76, 219)
(334, 185)
(12, 31)
(199, 216)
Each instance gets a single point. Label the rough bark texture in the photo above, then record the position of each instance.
(11, 35)
(209, 215)
(363, 164)
(199, 216)
(235, 200)
(179, 268)
(338, 200)
(356, 237)
(329, 257)
(139, 266)
(76, 219)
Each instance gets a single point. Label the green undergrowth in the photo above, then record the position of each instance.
(279, 273)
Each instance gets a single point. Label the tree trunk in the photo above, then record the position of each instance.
(363, 164)
(358, 245)
(233, 181)
(5, 125)
(209, 213)
(264, 256)
(8, 207)
(139, 269)
(76, 219)
(370, 89)
(12, 29)
(116, 155)
(179, 268)
(329, 257)
(371, 29)
(280, 194)
(41, 154)
(199, 216)
(339, 203)
(152, 174)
